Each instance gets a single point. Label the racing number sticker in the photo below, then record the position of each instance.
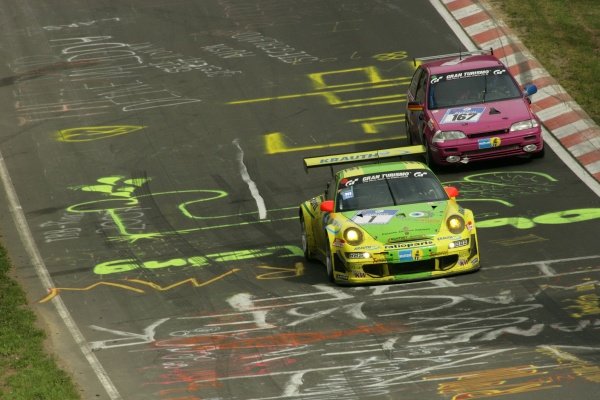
(373, 216)
(463, 114)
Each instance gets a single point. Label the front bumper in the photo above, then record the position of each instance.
(395, 265)
(487, 147)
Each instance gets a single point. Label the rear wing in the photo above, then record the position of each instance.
(345, 158)
(459, 55)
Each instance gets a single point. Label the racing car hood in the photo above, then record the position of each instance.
(401, 223)
(485, 117)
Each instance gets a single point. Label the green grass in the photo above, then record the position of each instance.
(564, 35)
(27, 372)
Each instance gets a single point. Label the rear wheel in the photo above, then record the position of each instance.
(407, 128)
(304, 238)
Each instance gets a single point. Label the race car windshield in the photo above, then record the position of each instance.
(471, 87)
(388, 189)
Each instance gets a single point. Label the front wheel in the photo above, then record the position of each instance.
(427, 155)
(329, 263)
(539, 154)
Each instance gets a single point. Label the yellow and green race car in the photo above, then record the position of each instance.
(388, 221)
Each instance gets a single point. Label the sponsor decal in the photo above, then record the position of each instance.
(405, 255)
(387, 175)
(348, 182)
(475, 261)
(462, 114)
(338, 243)
(489, 143)
(355, 255)
(453, 237)
(359, 274)
(460, 243)
(468, 74)
(341, 277)
(417, 214)
(332, 160)
(347, 193)
(366, 248)
(314, 203)
(407, 245)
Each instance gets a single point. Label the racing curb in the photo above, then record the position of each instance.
(557, 110)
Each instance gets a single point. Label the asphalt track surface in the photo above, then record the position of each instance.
(152, 167)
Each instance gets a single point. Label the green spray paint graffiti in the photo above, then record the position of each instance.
(554, 218)
(500, 187)
(124, 265)
(119, 196)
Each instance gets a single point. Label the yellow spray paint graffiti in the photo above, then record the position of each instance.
(127, 264)
(52, 293)
(495, 382)
(90, 133)
(585, 305)
(356, 88)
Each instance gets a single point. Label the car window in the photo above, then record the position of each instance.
(421, 85)
(388, 189)
(471, 87)
(412, 89)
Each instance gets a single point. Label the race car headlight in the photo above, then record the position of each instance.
(456, 224)
(521, 125)
(442, 136)
(353, 236)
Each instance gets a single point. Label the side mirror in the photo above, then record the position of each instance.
(414, 106)
(530, 89)
(451, 191)
(327, 206)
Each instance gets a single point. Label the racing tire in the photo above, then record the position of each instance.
(304, 239)
(427, 155)
(539, 154)
(329, 263)
(408, 135)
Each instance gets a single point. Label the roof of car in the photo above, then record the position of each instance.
(457, 63)
(381, 167)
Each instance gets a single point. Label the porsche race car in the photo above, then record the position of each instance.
(387, 221)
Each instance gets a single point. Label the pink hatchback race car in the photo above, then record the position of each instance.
(467, 107)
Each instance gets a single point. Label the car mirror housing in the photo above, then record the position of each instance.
(327, 206)
(451, 191)
(530, 89)
(414, 106)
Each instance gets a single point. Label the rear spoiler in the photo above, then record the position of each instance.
(459, 55)
(344, 158)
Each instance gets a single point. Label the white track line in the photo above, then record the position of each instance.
(44, 276)
(260, 202)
